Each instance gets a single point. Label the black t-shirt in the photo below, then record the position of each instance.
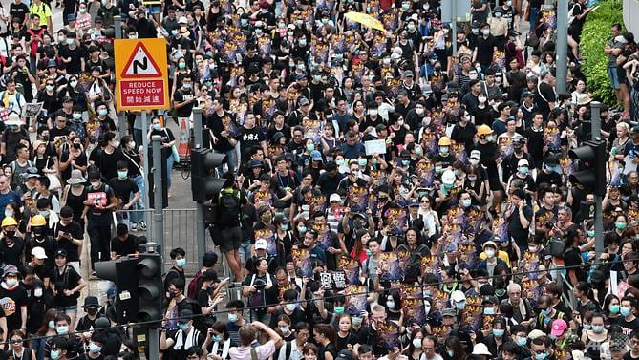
(76, 232)
(215, 123)
(108, 163)
(103, 196)
(126, 247)
(485, 49)
(65, 280)
(12, 301)
(182, 95)
(250, 138)
(19, 11)
(573, 260)
(123, 189)
(11, 253)
(76, 54)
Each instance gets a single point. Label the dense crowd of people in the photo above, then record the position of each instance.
(383, 198)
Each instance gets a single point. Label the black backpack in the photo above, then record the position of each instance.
(228, 213)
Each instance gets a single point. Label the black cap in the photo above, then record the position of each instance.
(61, 252)
(91, 301)
(490, 299)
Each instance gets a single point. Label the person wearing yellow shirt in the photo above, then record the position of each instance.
(491, 256)
(44, 12)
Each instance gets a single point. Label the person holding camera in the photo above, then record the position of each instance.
(254, 288)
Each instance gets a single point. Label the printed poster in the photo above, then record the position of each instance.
(389, 267)
(397, 217)
(269, 235)
(356, 299)
(358, 199)
(302, 261)
(388, 335)
(351, 269)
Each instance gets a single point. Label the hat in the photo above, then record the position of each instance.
(60, 252)
(491, 243)
(475, 154)
(254, 163)
(182, 20)
(523, 162)
(535, 333)
(39, 253)
(14, 119)
(448, 177)
(91, 301)
(76, 177)
(481, 349)
(316, 155)
(345, 355)
(409, 73)
(304, 101)
(490, 299)
(449, 312)
(557, 111)
(527, 94)
(10, 269)
(32, 172)
(260, 244)
(335, 197)
(634, 130)
(300, 77)
(52, 64)
(277, 136)
(102, 323)
(558, 327)
(484, 130)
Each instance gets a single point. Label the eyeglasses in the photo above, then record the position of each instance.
(16, 341)
(194, 356)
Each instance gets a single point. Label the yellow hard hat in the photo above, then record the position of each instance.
(484, 130)
(8, 221)
(444, 141)
(38, 220)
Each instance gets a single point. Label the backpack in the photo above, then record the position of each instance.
(287, 351)
(194, 286)
(229, 208)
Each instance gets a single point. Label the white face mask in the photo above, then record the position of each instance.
(417, 343)
(11, 282)
(490, 253)
(37, 292)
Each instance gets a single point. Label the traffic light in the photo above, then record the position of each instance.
(592, 166)
(119, 272)
(150, 292)
(204, 183)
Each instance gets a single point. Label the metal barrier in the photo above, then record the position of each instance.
(180, 230)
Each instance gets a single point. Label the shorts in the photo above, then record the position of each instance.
(230, 238)
(613, 77)
(68, 309)
(154, 9)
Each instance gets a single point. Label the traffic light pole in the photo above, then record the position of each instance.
(562, 45)
(117, 21)
(199, 207)
(153, 342)
(157, 193)
(595, 126)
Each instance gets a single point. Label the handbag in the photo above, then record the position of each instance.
(175, 153)
(557, 247)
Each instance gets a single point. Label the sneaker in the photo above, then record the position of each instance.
(142, 225)
(134, 227)
(93, 273)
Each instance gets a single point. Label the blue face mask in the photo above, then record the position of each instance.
(183, 326)
(362, 162)
(284, 227)
(181, 262)
(489, 311)
(369, 252)
(624, 311)
(405, 162)
(540, 356)
(498, 332)
(55, 354)
(217, 338)
(232, 318)
(521, 341)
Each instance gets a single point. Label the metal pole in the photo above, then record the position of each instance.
(153, 343)
(595, 128)
(145, 155)
(122, 127)
(562, 45)
(157, 190)
(118, 26)
(199, 207)
(454, 27)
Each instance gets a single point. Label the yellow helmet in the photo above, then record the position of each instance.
(444, 141)
(483, 130)
(38, 220)
(8, 221)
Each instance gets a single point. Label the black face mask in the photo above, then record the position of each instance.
(92, 311)
(77, 146)
(10, 233)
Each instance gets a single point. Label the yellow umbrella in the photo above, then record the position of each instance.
(365, 19)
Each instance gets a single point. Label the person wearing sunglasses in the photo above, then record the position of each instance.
(18, 351)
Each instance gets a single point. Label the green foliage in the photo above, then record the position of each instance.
(595, 35)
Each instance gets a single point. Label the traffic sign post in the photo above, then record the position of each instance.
(141, 74)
